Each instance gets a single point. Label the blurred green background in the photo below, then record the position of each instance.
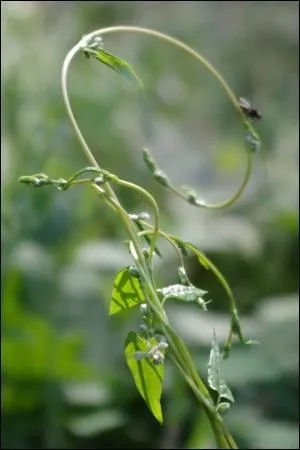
(64, 380)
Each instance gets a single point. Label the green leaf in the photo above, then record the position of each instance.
(126, 293)
(184, 293)
(201, 257)
(115, 63)
(215, 378)
(148, 377)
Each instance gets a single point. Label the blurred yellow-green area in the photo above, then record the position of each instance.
(65, 383)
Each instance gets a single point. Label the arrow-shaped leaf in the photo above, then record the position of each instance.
(148, 377)
(126, 292)
(184, 293)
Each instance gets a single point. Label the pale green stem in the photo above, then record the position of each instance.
(214, 269)
(182, 355)
(162, 234)
(82, 181)
(174, 341)
(231, 200)
(136, 188)
(239, 192)
(184, 47)
(223, 437)
(154, 206)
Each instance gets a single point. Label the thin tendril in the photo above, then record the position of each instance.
(201, 59)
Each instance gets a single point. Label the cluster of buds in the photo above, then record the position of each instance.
(156, 343)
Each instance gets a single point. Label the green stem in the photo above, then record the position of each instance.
(217, 273)
(82, 181)
(186, 48)
(180, 352)
(177, 346)
(239, 192)
(154, 206)
(162, 234)
(223, 437)
(229, 201)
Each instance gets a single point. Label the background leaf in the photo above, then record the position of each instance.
(95, 423)
(148, 377)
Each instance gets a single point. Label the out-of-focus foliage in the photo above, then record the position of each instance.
(65, 383)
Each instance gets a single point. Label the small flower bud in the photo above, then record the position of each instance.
(133, 272)
(97, 42)
(99, 180)
(162, 178)
(143, 216)
(146, 253)
(193, 200)
(140, 216)
(163, 345)
(144, 310)
(149, 160)
(158, 358)
(61, 184)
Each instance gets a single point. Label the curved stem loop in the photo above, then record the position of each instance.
(78, 47)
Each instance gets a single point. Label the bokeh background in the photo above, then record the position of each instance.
(64, 380)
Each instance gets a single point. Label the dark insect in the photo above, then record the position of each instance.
(248, 110)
